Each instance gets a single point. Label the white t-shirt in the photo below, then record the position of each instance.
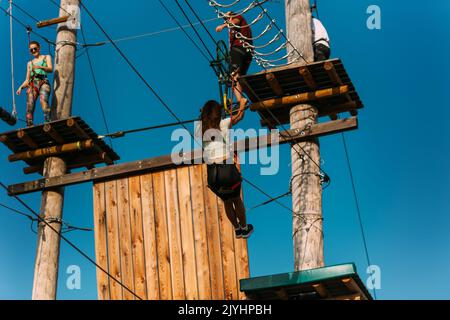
(320, 34)
(218, 151)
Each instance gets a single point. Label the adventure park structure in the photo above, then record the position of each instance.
(160, 233)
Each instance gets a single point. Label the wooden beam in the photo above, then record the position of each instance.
(282, 294)
(299, 98)
(22, 135)
(308, 77)
(52, 151)
(51, 131)
(51, 22)
(5, 140)
(332, 73)
(274, 84)
(351, 285)
(321, 290)
(76, 129)
(355, 296)
(164, 162)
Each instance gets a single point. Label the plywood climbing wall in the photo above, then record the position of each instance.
(166, 236)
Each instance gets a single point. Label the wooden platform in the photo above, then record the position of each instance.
(324, 84)
(339, 282)
(70, 139)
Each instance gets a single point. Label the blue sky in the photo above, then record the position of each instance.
(399, 154)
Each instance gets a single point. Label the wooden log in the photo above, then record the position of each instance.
(52, 151)
(51, 131)
(113, 240)
(51, 22)
(174, 232)
(150, 242)
(308, 77)
(162, 239)
(187, 234)
(126, 254)
(213, 235)
(274, 84)
(137, 237)
(299, 98)
(200, 234)
(76, 129)
(332, 73)
(321, 290)
(22, 135)
(351, 285)
(7, 142)
(101, 241)
(163, 162)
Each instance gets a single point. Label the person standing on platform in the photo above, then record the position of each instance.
(240, 57)
(37, 82)
(321, 41)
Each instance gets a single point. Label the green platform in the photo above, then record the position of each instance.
(340, 282)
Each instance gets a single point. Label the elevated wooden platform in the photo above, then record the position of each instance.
(339, 282)
(70, 139)
(324, 84)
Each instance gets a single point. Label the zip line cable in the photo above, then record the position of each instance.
(25, 12)
(70, 243)
(97, 91)
(358, 210)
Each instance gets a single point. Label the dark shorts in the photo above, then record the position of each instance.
(240, 59)
(321, 52)
(224, 180)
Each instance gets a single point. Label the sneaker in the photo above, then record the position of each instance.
(238, 233)
(247, 231)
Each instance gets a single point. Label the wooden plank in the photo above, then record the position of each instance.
(26, 139)
(187, 234)
(123, 206)
(173, 223)
(137, 237)
(150, 242)
(299, 98)
(200, 234)
(101, 241)
(332, 73)
(162, 239)
(228, 253)
(164, 162)
(214, 247)
(53, 133)
(114, 255)
(274, 84)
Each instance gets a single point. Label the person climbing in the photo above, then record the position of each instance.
(321, 41)
(224, 178)
(37, 82)
(240, 57)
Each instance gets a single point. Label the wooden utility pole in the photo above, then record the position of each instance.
(47, 252)
(306, 182)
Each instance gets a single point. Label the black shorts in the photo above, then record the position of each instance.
(224, 180)
(321, 52)
(240, 59)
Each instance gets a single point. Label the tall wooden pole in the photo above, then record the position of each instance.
(48, 244)
(306, 185)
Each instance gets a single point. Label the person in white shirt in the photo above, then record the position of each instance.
(321, 41)
(224, 177)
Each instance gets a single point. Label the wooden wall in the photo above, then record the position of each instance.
(166, 236)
